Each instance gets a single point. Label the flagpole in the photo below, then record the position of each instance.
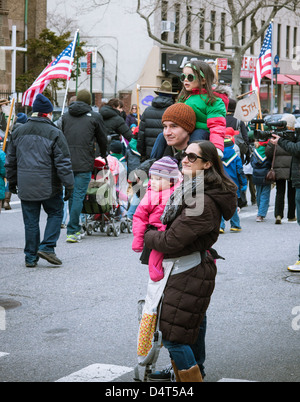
(8, 124)
(272, 73)
(68, 82)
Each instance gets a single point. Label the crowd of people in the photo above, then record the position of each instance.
(198, 159)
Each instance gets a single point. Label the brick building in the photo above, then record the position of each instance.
(14, 13)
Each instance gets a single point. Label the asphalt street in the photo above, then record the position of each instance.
(79, 322)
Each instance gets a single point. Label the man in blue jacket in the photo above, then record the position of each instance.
(38, 164)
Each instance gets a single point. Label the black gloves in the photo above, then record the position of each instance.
(13, 188)
(68, 193)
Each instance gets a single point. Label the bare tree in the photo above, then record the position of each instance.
(259, 12)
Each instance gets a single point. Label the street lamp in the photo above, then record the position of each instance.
(117, 56)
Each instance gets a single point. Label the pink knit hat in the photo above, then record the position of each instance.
(165, 167)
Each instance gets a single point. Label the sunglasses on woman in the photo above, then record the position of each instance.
(189, 77)
(192, 157)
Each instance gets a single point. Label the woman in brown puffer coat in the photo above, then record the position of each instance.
(192, 229)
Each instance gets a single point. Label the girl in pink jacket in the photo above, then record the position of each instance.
(164, 178)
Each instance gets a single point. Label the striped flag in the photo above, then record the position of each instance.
(61, 67)
(264, 63)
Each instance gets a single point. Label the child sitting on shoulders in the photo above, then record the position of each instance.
(210, 105)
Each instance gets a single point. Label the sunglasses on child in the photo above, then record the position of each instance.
(192, 157)
(189, 77)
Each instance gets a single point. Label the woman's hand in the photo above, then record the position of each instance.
(275, 139)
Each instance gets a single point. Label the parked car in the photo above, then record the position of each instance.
(277, 117)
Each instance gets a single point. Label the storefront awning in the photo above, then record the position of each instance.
(282, 79)
(294, 77)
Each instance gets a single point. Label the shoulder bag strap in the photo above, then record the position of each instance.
(274, 153)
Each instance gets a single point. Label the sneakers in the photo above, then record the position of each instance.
(50, 257)
(292, 220)
(74, 238)
(165, 375)
(234, 229)
(278, 220)
(31, 264)
(295, 267)
(260, 219)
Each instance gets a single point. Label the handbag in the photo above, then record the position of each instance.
(271, 176)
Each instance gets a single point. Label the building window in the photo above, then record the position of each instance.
(201, 28)
(253, 32)
(3, 5)
(223, 31)
(177, 23)
(278, 39)
(212, 29)
(243, 39)
(188, 34)
(287, 46)
(295, 43)
(164, 17)
(262, 38)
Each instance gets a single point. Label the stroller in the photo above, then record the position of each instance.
(149, 341)
(105, 200)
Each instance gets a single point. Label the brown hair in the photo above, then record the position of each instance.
(114, 102)
(200, 66)
(215, 175)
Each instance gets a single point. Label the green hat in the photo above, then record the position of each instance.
(84, 96)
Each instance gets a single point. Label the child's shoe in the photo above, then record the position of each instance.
(295, 267)
(222, 231)
(234, 229)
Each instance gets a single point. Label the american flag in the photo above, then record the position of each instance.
(264, 62)
(61, 67)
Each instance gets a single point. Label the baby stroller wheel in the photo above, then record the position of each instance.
(89, 229)
(110, 230)
(123, 227)
(117, 231)
(129, 227)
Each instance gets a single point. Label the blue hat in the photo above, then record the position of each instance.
(21, 118)
(42, 105)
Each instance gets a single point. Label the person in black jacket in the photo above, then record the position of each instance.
(151, 126)
(293, 148)
(82, 127)
(38, 164)
(239, 125)
(113, 120)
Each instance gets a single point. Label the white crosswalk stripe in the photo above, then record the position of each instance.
(97, 373)
(233, 380)
(106, 373)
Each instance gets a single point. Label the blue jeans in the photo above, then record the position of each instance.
(66, 206)
(263, 199)
(234, 221)
(81, 185)
(133, 206)
(187, 356)
(31, 216)
(159, 147)
(298, 210)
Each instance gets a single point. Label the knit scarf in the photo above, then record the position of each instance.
(181, 197)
